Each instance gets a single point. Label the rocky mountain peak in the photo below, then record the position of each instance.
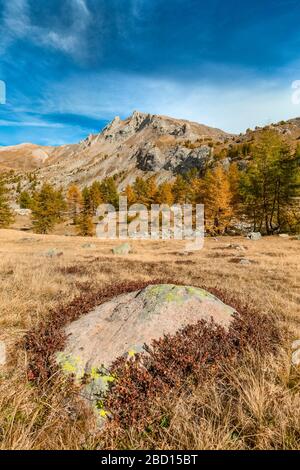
(143, 144)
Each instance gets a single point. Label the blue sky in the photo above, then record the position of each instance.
(71, 66)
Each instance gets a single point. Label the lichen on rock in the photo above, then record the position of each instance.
(123, 325)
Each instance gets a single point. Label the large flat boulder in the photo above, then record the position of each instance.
(124, 324)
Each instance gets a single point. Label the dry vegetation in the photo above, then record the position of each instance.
(254, 403)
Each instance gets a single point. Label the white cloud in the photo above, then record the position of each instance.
(33, 123)
(232, 107)
(17, 24)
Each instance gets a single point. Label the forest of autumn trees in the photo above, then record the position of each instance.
(265, 193)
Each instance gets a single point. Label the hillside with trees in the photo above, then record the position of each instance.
(263, 193)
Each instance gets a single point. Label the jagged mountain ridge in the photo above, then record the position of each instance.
(141, 144)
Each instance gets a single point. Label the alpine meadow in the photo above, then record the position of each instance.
(149, 228)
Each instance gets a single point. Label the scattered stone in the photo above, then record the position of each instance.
(254, 236)
(296, 345)
(185, 253)
(245, 262)
(29, 239)
(23, 212)
(124, 249)
(53, 253)
(233, 246)
(284, 235)
(89, 245)
(296, 358)
(2, 353)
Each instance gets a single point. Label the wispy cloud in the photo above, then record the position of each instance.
(35, 123)
(17, 24)
(232, 107)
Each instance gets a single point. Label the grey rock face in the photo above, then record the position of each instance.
(116, 131)
(176, 159)
(198, 158)
(150, 159)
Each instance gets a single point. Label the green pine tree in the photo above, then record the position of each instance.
(110, 192)
(25, 200)
(269, 185)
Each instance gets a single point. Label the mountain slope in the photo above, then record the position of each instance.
(141, 144)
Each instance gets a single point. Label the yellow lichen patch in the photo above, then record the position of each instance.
(70, 365)
(178, 294)
(95, 373)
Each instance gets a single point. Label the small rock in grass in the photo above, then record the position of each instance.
(53, 253)
(296, 358)
(29, 239)
(123, 249)
(234, 246)
(245, 262)
(2, 353)
(254, 236)
(296, 345)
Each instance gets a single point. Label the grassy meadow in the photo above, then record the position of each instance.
(261, 394)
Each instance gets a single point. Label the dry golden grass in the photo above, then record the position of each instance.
(262, 408)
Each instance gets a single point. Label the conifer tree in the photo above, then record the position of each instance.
(6, 216)
(96, 196)
(269, 185)
(217, 200)
(130, 194)
(74, 201)
(85, 226)
(141, 191)
(152, 190)
(110, 192)
(25, 200)
(180, 190)
(47, 209)
(234, 182)
(87, 203)
(165, 194)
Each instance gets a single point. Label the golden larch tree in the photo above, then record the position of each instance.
(217, 200)
(74, 201)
